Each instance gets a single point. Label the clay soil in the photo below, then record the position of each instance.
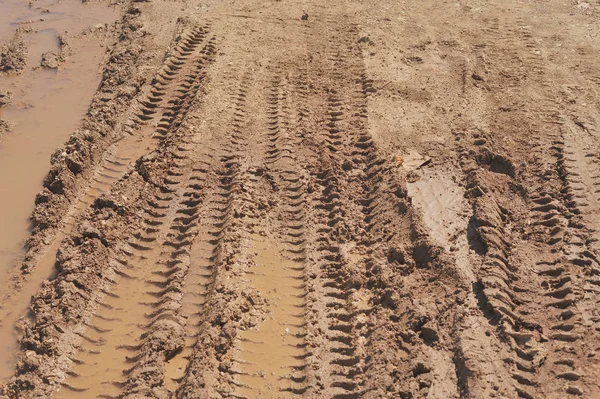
(281, 199)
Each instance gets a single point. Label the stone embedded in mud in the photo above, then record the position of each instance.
(573, 390)
(429, 335)
(389, 299)
(55, 184)
(396, 256)
(89, 231)
(64, 40)
(420, 368)
(428, 255)
(59, 180)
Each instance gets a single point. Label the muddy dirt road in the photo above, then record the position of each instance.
(305, 200)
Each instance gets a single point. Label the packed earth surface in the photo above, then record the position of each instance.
(281, 199)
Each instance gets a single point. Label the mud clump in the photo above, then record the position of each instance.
(5, 98)
(13, 56)
(51, 60)
(4, 127)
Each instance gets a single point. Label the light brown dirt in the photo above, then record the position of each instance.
(342, 200)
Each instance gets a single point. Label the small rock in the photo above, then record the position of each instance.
(4, 126)
(73, 164)
(583, 6)
(304, 17)
(88, 231)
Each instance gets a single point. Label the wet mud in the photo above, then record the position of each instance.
(308, 200)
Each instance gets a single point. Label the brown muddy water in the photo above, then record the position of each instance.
(266, 356)
(47, 107)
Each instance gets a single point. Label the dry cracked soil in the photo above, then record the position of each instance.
(279, 199)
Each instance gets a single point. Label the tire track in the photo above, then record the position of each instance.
(210, 359)
(271, 356)
(559, 280)
(198, 279)
(548, 347)
(119, 158)
(561, 191)
(213, 197)
(540, 325)
(170, 330)
(333, 333)
(160, 109)
(366, 236)
(122, 330)
(501, 280)
(571, 281)
(115, 333)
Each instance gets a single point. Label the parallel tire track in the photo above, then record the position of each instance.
(272, 356)
(125, 327)
(210, 342)
(366, 234)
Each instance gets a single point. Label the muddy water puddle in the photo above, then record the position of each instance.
(47, 106)
(272, 353)
(63, 15)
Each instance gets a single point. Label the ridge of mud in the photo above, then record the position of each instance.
(5, 98)
(13, 55)
(4, 127)
(121, 81)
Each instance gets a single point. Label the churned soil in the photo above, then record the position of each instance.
(310, 200)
